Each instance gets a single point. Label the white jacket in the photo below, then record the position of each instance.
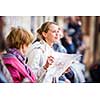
(37, 56)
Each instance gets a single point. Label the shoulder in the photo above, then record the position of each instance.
(37, 47)
(10, 59)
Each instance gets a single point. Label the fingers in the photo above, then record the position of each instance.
(50, 60)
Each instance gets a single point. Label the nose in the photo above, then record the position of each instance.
(57, 33)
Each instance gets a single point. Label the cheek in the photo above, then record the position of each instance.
(51, 37)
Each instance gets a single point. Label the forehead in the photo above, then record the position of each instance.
(53, 26)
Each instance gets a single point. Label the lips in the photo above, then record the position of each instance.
(56, 37)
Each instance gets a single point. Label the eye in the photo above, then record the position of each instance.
(54, 31)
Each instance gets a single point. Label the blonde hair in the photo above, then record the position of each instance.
(19, 36)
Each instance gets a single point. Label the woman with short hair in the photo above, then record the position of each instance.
(18, 41)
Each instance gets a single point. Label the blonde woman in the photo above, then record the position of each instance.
(40, 54)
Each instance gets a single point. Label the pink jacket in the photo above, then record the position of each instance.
(17, 70)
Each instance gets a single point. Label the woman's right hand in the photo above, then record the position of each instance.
(49, 62)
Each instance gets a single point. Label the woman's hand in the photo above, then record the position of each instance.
(49, 62)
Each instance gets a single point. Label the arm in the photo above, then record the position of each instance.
(35, 61)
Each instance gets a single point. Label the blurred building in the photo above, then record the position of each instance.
(14, 21)
(91, 28)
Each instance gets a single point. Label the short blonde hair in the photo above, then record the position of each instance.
(19, 36)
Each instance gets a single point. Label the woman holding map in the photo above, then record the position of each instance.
(41, 55)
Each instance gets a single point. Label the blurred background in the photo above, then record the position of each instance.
(89, 25)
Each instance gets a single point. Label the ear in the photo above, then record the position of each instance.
(44, 34)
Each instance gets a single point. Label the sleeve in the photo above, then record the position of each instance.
(34, 61)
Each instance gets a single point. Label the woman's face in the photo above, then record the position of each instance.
(52, 35)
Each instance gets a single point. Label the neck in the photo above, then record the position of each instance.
(49, 43)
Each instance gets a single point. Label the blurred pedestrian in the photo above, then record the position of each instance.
(5, 76)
